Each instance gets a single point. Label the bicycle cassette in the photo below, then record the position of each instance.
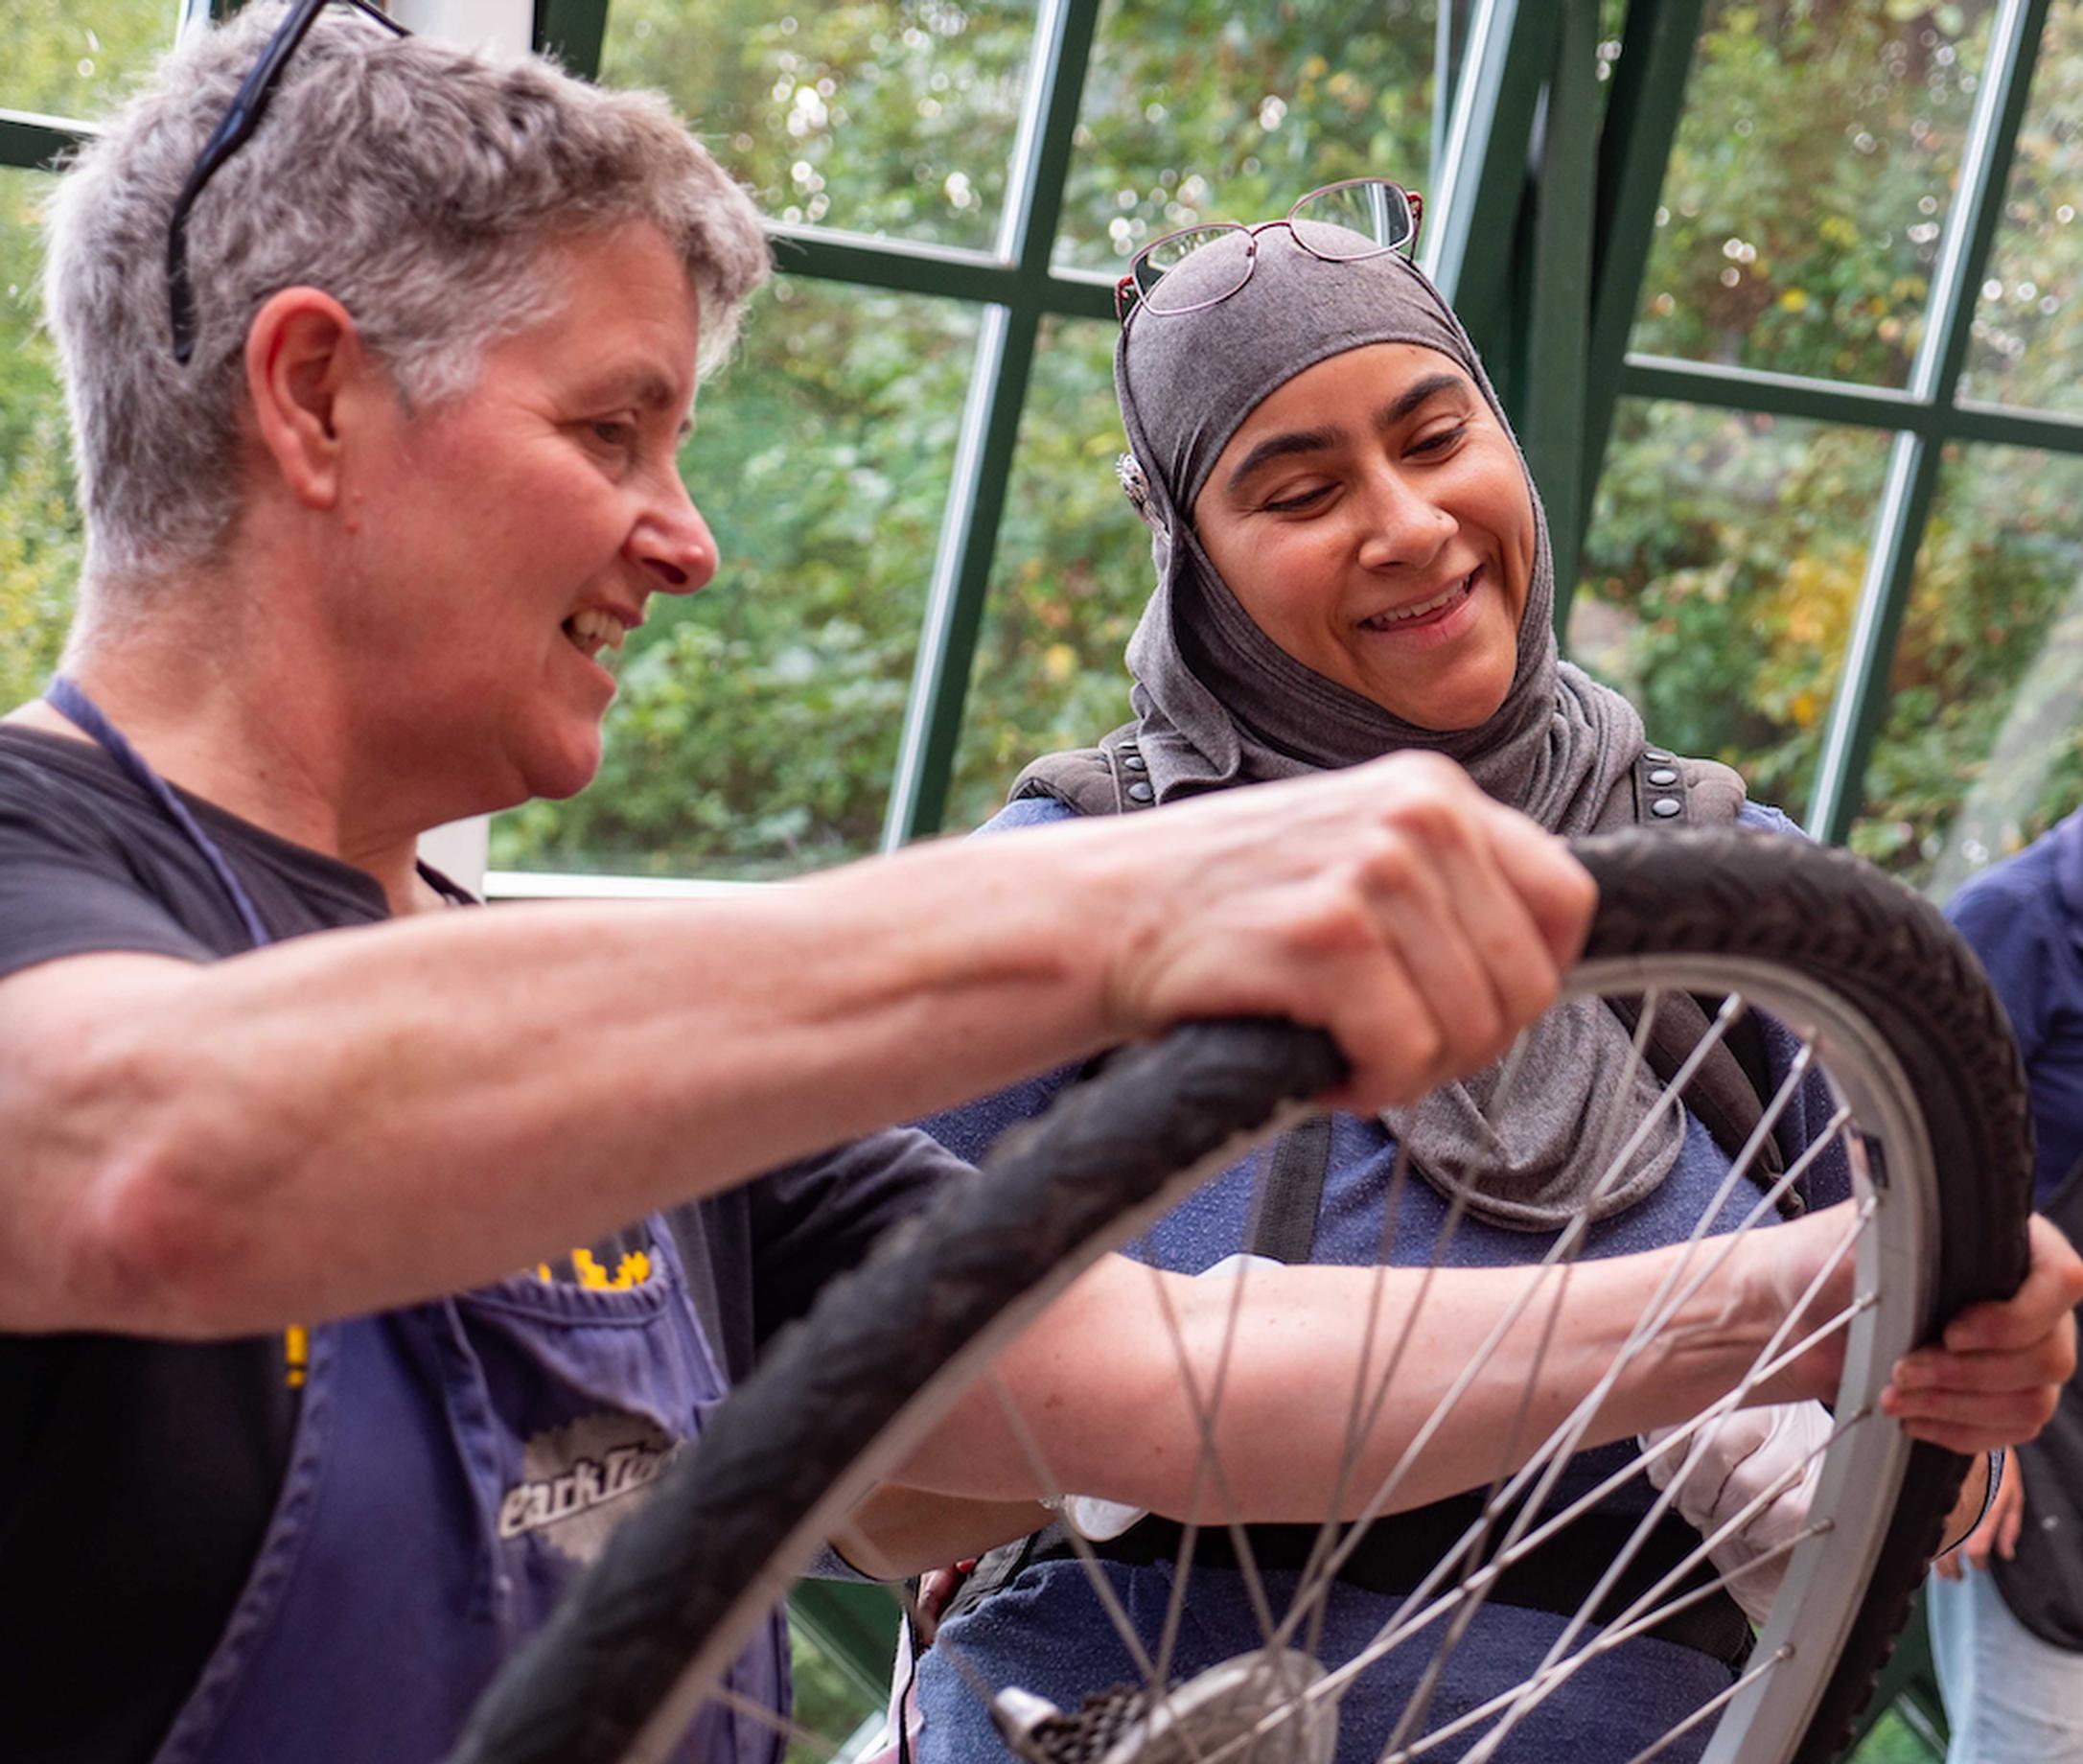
(1252, 1709)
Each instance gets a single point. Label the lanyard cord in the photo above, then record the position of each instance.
(69, 702)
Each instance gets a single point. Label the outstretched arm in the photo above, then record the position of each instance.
(1100, 1383)
(367, 1116)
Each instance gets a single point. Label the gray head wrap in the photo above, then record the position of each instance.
(1219, 703)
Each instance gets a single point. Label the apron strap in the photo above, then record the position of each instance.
(76, 707)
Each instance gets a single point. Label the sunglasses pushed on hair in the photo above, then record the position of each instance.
(1385, 217)
(248, 108)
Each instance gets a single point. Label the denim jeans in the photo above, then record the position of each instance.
(2010, 1697)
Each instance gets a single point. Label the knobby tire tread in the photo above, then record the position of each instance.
(580, 1690)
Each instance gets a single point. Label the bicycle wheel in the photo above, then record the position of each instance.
(1927, 1109)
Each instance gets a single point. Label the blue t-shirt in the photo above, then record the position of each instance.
(1044, 1630)
(2025, 918)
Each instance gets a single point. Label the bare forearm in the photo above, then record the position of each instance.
(897, 1532)
(366, 1117)
(372, 1116)
(1100, 1382)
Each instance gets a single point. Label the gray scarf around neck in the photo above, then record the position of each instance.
(1218, 703)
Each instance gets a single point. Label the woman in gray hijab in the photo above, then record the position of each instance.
(1351, 559)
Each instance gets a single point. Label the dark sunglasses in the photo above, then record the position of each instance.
(228, 137)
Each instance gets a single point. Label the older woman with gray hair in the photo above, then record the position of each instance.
(362, 1260)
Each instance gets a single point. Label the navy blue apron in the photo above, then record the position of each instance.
(455, 1464)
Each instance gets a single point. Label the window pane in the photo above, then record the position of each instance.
(80, 58)
(1196, 113)
(1072, 572)
(756, 727)
(1982, 748)
(826, 1704)
(39, 531)
(1813, 171)
(880, 116)
(1721, 574)
(2027, 342)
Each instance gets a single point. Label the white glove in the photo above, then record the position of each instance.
(1745, 1453)
(1099, 1520)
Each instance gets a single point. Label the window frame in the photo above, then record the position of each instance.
(1561, 318)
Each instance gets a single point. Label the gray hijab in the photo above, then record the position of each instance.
(1218, 703)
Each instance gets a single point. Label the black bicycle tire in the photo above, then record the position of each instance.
(1890, 954)
(700, 1554)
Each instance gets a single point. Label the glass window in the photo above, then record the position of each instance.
(1813, 171)
(1982, 746)
(828, 1707)
(756, 727)
(1721, 571)
(2027, 340)
(1072, 571)
(880, 116)
(80, 58)
(39, 527)
(1195, 112)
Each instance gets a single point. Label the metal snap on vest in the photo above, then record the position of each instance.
(1666, 806)
(1664, 776)
(1139, 792)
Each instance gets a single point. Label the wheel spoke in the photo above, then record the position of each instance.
(1414, 1615)
(1209, 1456)
(1638, 1052)
(1714, 1704)
(1359, 1413)
(793, 1731)
(950, 1649)
(1080, 1547)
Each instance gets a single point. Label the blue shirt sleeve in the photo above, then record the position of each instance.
(2015, 918)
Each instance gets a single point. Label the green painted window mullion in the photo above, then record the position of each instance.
(1912, 477)
(1634, 150)
(961, 568)
(2003, 426)
(990, 426)
(1844, 406)
(30, 142)
(573, 32)
(1755, 389)
(1554, 384)
(1482, 175)
(1449, 38)
(906, 267)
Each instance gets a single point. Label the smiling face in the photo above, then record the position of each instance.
(1374, 520)
(500, 542)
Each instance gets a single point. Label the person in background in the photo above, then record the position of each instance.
(2007, 1609)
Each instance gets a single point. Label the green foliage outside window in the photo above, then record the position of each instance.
(1799, 223)
(1813, 175)
(879, 116)
(78, 58)
(39, 530)
(1817, 163)
(1721, 569)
